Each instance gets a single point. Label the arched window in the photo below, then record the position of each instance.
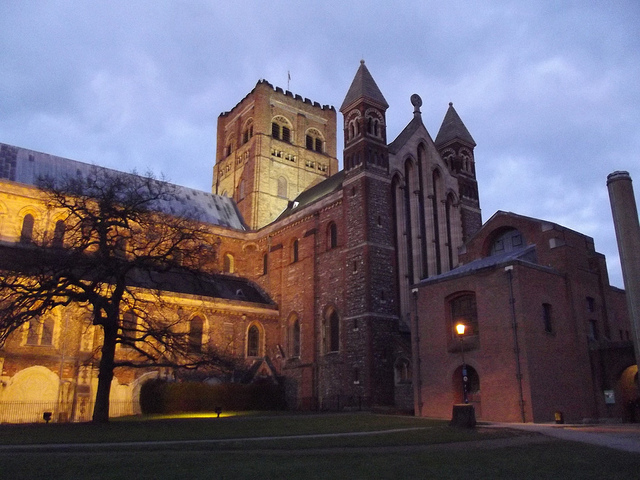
(196, 326)
(314, 140)
(282, 187)
(41, 332)
(510, 239)
(247, 133)
(281, 129)
(402, 371)
(332, 236)
(462, 310)
(435, 205)
(294, 336)
(331, 331)
(26, 234)
(228, 263)
(294, 251)
(253, 341)
(58, 235)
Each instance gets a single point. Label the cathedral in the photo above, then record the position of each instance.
(346, 286)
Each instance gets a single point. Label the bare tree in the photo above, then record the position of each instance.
(115, 252)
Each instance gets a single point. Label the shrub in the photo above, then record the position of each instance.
(159, 396)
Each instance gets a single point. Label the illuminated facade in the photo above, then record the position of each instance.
(337, 255)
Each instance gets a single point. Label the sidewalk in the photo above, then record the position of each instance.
(625, 437)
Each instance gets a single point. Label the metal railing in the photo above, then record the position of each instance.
(80, 411)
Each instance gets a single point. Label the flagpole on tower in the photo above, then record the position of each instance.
(288, 78)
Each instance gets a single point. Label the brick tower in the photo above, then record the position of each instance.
(270, 147)
(370, 316)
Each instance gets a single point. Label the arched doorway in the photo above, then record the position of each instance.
(473, 386)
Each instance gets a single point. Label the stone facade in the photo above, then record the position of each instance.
(270, 147)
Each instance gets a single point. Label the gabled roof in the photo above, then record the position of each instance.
(525, 255)
(364, 86)
(311, 195)
(453, 128)
(408, 131)
(27, 167)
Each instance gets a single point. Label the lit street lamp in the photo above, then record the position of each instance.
(460, 328)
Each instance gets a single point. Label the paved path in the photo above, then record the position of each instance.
(624, 437)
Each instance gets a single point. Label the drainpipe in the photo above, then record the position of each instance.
(516, 346)
(417, 380)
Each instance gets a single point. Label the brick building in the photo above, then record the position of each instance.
(545, 332)
(329, 259)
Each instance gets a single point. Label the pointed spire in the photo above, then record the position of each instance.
(364, 85)
(453, 128)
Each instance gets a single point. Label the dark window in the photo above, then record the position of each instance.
(275, 130)
(33, 335)
(593, 330)
(332, 331)
(286, 134)
(463, 310)
(591, 304)
(26, 235)
(333, 235)
(265, 264)
(318, 145)
(546, 317)
(309, 142)
(195, 335)
(295, 338)
(46, 338)
(294, 251)
(253, 341)
(58, 235)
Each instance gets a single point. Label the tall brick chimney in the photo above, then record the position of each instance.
(625, 219)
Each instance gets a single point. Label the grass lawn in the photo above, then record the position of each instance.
(395, 455)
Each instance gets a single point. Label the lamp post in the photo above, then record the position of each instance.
(460, 328)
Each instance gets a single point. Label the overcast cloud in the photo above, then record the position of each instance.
(550, 90)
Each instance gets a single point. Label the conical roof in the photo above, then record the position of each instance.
(452, 128)
(364, 85)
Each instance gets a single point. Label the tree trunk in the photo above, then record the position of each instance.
(105, 375)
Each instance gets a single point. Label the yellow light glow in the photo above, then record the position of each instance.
(197, 415)
(460, 328)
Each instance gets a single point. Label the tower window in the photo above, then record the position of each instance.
(314, 140)
(282, 187)
(281, 129)
(294, 251)
(286, 135)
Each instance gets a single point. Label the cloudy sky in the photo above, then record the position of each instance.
(550, 90)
